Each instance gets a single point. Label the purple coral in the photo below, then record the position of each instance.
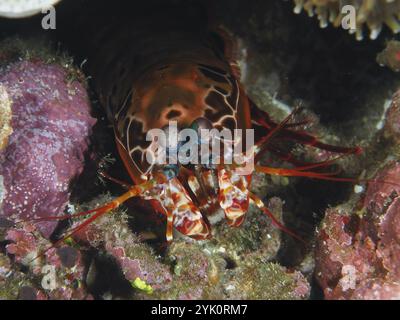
(357, 256)
(50, 124)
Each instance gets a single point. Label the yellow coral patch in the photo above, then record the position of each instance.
(142, 285)
(5, 117)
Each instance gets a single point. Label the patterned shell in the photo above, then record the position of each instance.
(178, 69)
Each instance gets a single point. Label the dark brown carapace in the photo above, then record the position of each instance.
(171, 64)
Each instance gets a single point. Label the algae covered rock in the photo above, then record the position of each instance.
(52, 273)
(203, 273)
(392, 123)
(257, 280)
(5, 117)
(357, 254)
(390, 56)
(139, 264)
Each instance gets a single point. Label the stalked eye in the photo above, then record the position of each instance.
(170, 171)
(201, 123)
(204, 138)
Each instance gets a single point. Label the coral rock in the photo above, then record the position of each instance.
(50, 125)
(257, 280)
(390, 56)
(371, 13)
(5, 117)
(392, 124)
(138, 262)
(357, 255)
(54, 273)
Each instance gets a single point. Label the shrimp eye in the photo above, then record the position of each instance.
(198, 125)
(170, 171)
(204, 138)
(201, 123)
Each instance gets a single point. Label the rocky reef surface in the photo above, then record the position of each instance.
(357, 252)
(351, 230)
(46, 124)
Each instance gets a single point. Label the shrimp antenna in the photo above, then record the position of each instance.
(261, 205)
(134, 191)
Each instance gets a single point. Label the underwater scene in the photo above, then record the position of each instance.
(200, 150)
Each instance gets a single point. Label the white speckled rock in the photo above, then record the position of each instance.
(48, 136)
(23, 8)
(5, 117)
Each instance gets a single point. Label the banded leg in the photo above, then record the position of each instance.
(182, 213)
(233, 196)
